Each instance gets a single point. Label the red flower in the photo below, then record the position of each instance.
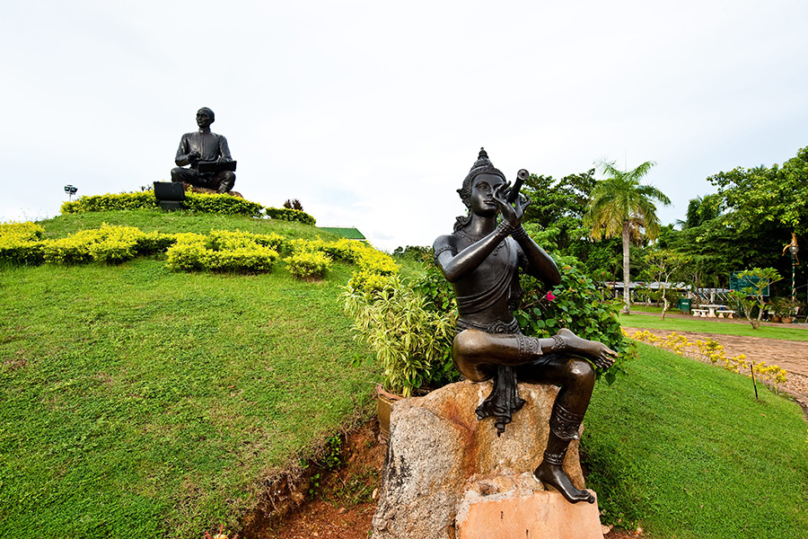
(550, 296)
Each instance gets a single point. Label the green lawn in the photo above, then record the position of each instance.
(705, 325)
(138, 402)
(683, 449)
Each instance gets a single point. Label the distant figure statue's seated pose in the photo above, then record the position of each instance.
(207, 151)
(481, 259)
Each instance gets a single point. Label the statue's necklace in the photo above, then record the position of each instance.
(475, 239)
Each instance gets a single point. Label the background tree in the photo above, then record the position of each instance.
(555, 219)
(622, 206)
(665, 266)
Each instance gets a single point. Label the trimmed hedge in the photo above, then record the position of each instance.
(308, 266)
(221, 251)
(20, 243)
(198, 202)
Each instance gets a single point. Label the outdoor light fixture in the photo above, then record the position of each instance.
(794, 249)
(169, 195)
(70, 190)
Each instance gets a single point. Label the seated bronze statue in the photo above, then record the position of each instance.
(481, 260)
(208, 155)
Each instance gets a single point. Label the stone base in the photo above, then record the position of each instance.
(439, 456)
(506, 507)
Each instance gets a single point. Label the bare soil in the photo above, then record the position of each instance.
(340, 503)
(342, 506)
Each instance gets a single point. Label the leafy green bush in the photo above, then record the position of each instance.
(409, 339)
(308, 266)
(751, 297)
(287, 214)
(20, 243)
(578, 305)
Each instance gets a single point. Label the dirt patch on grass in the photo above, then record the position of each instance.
(338, 503)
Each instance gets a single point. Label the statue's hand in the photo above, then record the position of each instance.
(193, 156)
(512, 214)
(601, 355)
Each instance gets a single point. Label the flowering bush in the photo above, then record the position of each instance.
(578, 305)
(711, 351)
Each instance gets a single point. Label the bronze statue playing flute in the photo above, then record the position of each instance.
(481, 259)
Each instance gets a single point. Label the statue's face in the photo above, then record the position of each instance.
(203, 119)
(482, 194)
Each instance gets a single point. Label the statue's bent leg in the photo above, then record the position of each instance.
(185, 175)
(223, 181)
(577, 379)
(477, 353)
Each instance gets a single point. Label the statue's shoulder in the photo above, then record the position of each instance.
(445, 243)
(442, 241)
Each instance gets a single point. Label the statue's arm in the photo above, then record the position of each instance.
(224, 150)
(537, 262)
(456, 265)
(183, 153)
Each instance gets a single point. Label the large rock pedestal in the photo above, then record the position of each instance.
(448, 475)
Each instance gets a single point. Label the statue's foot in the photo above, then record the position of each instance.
(553, 475)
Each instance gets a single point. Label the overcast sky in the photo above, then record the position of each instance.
(372, 112)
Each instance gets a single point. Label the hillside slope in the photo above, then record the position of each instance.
(140, 402)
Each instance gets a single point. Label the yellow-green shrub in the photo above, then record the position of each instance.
(308, 265)
(368, 281)
(221, 203)
(221, 251)
(276, 242)
(20, 243)
(344, 249)
(111, 244)
(188, 252)
(111, 202)
(218, 203)
(74, 249)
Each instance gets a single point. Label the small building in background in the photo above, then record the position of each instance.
(350, 233)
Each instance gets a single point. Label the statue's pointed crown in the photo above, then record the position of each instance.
(482, 165)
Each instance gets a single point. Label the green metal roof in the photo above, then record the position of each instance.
(350, 233)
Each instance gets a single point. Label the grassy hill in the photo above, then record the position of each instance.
(140, 402)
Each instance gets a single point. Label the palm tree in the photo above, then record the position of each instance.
(622, 205)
